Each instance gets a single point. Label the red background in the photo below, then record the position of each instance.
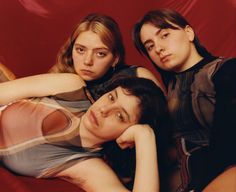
(32, 31)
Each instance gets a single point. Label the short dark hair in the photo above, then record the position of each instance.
(163, 19)
(152, 100)
(153, 111)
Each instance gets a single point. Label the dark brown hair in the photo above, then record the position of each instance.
(163, 19)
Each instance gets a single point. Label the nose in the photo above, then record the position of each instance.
(88, 60)
(159, 49)
(106, 110)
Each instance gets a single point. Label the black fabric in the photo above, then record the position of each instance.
(215, 155)
(223, 137)
(98, 87)
(185, 123)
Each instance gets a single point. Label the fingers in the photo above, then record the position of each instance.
(124, 144)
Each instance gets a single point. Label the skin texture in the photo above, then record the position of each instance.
(93, 173)
(224, 182)
(91, 57)
(110, 116)
(169, 49)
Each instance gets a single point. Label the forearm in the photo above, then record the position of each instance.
(146, 176)
(38, 86)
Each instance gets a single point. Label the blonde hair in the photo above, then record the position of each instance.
(104, 26)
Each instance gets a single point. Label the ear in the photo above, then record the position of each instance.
(116, 59)
(190, 33)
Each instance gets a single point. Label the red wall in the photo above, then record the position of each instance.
(32, 31)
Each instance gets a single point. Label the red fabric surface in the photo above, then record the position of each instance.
(10, 182)
(32, 31)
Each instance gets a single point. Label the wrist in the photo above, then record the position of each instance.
(144, 133)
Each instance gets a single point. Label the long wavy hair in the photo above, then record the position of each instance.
(105, 27)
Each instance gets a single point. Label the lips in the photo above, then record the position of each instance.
(93, 118)
(86, 72)
(165, 58)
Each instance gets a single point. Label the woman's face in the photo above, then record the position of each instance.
(169, 49)
(91, 57)
(112, 114)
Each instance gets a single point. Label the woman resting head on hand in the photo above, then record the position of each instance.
(95, 53)
(66, 142)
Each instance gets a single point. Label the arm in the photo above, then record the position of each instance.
(146, 173)
(39, 86)
(145, 73)
(95, 175)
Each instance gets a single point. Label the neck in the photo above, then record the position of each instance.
(88, 139)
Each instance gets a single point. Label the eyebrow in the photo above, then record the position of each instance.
(148, 40)
(105, 48)
(123, 109)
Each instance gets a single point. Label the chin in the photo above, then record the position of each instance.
(86, 78)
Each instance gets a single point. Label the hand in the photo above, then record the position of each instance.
(128, 137)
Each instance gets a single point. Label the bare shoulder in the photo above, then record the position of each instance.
(93, 175)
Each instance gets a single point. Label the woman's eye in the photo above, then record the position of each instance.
(110, 97)
(120, 116)
(101, 54)
(80, 50)
(150, 47)
(165, 35)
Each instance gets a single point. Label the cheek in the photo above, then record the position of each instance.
(179, 44)
(155, 58)
(101, 66)
(76, 60)
(113, 124)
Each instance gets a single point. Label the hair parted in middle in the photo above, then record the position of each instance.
(105, 27)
